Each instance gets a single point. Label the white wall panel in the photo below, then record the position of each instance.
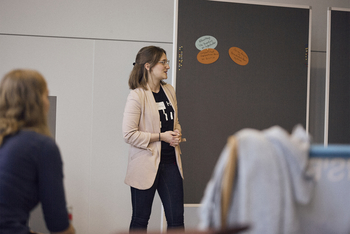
(109, 19)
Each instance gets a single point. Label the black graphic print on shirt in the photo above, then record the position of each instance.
(166, 114)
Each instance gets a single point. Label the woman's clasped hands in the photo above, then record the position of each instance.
(172, 137)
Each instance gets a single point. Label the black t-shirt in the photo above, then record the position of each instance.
(166, 114)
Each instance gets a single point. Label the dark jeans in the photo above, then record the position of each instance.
(169, 185)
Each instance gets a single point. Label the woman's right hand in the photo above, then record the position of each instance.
(171, 137)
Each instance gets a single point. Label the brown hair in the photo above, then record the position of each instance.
(21, 103)
(139, 76)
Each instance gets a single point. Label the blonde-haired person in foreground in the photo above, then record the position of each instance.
(30, 161)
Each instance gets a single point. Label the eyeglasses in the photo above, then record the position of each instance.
(164, 62)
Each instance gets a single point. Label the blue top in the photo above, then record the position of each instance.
(31, 172)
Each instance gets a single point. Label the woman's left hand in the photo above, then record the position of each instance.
(176, 138)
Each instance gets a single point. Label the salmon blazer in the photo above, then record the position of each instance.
(141, 119)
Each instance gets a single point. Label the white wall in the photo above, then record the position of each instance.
(85, 49)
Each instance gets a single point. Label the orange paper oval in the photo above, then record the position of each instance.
(238, 56)
(207, 56)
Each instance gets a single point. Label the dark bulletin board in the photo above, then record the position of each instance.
(339, 89)
(216, 100)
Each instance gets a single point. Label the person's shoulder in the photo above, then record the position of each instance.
(33, 136)
(28, 141)
(138, 92)
(168, 87)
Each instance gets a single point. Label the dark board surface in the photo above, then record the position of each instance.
(339, 90)
(218, 99)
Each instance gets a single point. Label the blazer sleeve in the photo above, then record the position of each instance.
(132, 113)
(176, 124)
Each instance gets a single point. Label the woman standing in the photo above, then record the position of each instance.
(30, 162)
(152, 129)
